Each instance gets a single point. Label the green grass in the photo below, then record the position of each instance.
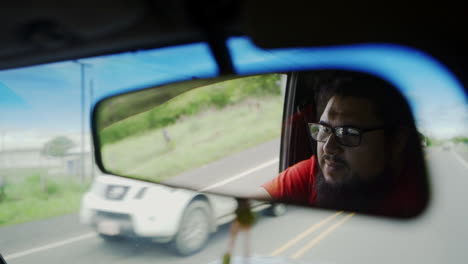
(462, 140)
(28, 200)
(196, 140)
(19, 174)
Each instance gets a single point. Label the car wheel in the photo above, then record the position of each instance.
(278, 209)
(194, 229)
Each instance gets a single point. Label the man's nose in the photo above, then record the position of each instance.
(331, 146)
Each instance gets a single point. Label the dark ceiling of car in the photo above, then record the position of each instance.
(35, 32)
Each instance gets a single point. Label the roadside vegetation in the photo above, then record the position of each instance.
(214, 96)
(196, 140)
(31, 195)
(460, 140)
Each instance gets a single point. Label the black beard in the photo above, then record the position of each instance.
(354, 195)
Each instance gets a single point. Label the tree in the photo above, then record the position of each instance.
(57, 147)
(460, 139)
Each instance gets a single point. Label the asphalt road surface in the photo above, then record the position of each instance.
(306, 235)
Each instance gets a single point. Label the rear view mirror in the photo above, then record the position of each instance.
(193, 134)
(348, 140)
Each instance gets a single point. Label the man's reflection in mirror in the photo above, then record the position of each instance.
(368, 157)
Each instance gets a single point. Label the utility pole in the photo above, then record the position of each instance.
(83, 106)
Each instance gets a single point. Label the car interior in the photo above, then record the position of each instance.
(416, 47)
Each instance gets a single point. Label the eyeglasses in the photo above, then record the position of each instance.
(345, 135)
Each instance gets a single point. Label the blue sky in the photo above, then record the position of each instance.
(46, 98)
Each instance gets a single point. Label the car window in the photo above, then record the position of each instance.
(46, 203)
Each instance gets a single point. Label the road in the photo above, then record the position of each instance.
(233, 175)
(310, 236)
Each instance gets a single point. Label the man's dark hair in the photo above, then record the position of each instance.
(389, 105)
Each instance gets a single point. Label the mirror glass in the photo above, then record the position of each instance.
(348, 140)
(194, 134)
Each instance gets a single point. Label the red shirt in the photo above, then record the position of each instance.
(296, 184)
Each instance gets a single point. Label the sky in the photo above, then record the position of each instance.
(43, 101)
(39, 102)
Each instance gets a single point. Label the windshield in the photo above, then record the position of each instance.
(55, 204)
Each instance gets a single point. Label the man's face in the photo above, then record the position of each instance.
(342, 164)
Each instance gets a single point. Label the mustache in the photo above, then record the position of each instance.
(334, 158)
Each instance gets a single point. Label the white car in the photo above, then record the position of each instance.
(117, 207)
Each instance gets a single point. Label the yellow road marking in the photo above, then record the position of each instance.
(321, 236)
(296, 239)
